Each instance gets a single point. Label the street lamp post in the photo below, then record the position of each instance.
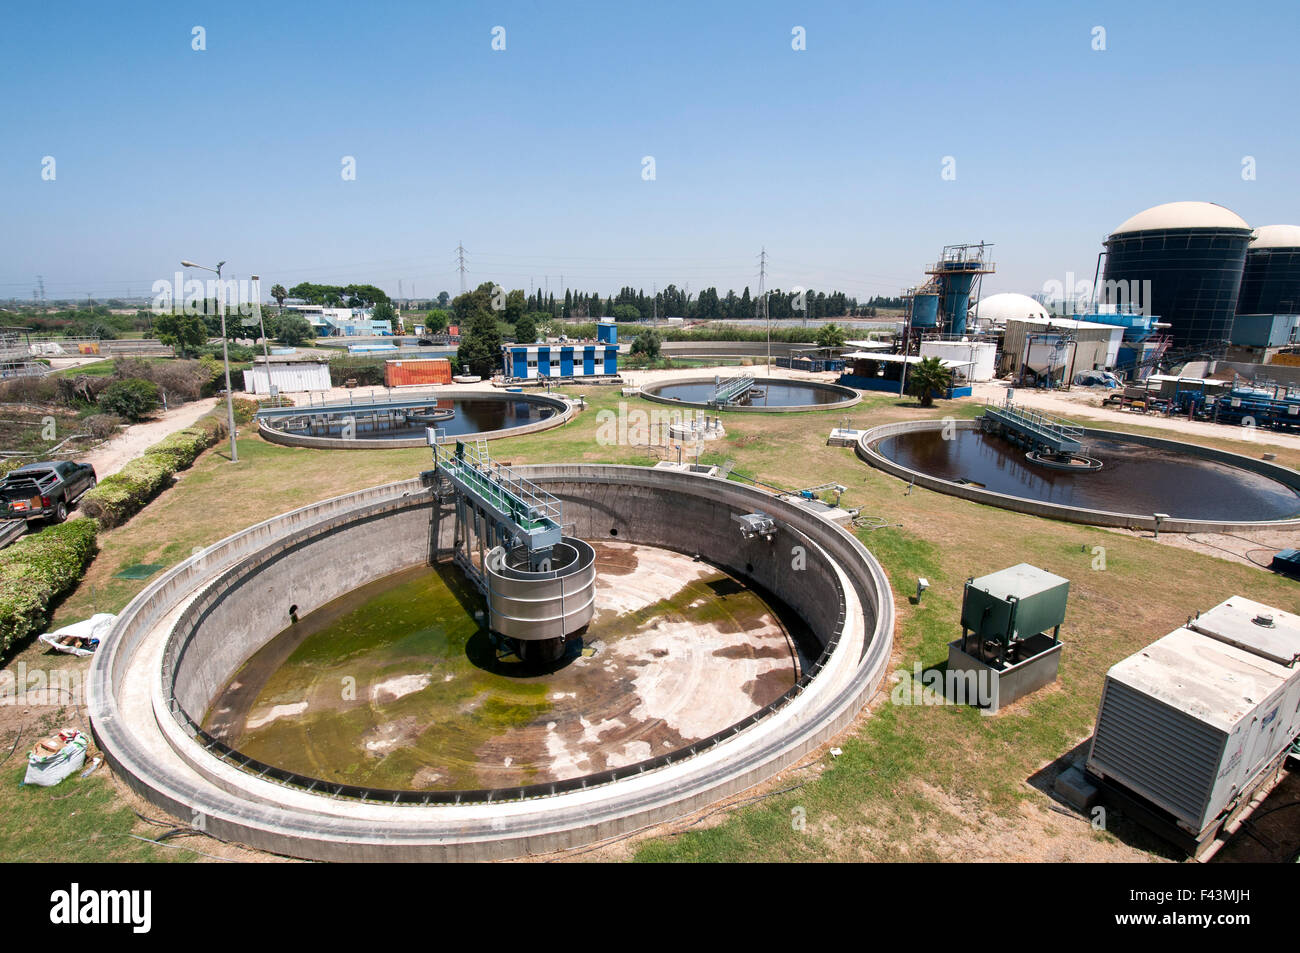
(266, 347)
(225, 357)
(257, 303)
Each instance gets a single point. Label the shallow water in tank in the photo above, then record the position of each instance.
(471, 416)
(396, 684)
(1133, 479)
(775, 394)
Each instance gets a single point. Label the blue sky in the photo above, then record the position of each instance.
(831, 157)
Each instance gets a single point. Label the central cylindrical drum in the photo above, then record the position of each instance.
(550, 603)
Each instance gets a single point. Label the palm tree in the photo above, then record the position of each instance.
(830, 335)
(279, 294)
(927, 376)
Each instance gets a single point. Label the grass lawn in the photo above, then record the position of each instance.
(913, 782)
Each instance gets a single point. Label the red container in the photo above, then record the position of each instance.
(408, 372)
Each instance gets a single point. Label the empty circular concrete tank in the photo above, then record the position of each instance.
(180, 640)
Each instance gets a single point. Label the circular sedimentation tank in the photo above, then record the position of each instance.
(311, 686)
(678, 650)
(771, 394)
(401, 420)
(1130, 478)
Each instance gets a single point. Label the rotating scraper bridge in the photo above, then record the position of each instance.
(1038, 431)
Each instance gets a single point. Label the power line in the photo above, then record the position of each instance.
(460, 255)
(762, 278)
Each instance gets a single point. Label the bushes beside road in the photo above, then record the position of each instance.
(119, 497)
(38, 569)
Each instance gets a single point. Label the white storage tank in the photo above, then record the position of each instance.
(1189, 722)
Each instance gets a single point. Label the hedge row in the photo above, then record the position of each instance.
(35, 571)
(119, 497)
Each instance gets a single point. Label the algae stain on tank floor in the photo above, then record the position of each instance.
(394, 685)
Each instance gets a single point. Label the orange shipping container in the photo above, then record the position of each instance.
(431, 370)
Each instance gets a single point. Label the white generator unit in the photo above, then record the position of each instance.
(1192, 721)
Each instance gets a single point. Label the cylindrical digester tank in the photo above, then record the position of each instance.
(1192, 253)
(1270, 283)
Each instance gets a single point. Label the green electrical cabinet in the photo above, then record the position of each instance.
(1010, 606)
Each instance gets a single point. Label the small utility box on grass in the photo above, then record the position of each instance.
(1010, 637)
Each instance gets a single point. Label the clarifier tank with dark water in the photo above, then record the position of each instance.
(1133, 478)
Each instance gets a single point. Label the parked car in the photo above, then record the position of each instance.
(44, 490)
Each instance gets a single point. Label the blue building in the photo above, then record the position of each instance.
(564, 360)
(532, 361)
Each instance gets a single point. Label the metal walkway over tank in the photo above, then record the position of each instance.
(1040, 431)
(382, 403)
(502, 508)
(730, 390)
(540, 586)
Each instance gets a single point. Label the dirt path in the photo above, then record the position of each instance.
(1250, 548)
(63, 363)
(110, 457)
(1082, 402)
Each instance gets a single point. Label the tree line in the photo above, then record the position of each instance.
(633, 304)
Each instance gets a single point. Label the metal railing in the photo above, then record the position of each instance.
(732, 388)
(499, 485)
(1029, 418)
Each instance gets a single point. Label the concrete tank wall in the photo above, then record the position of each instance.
(703, 526)
(152, 751)
(848, 396)
(249, 604)
(866, 450)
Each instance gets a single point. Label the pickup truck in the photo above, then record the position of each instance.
(44, 490)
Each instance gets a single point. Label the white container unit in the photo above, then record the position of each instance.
(287, 377)
(975, 359)
(1191, 721)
